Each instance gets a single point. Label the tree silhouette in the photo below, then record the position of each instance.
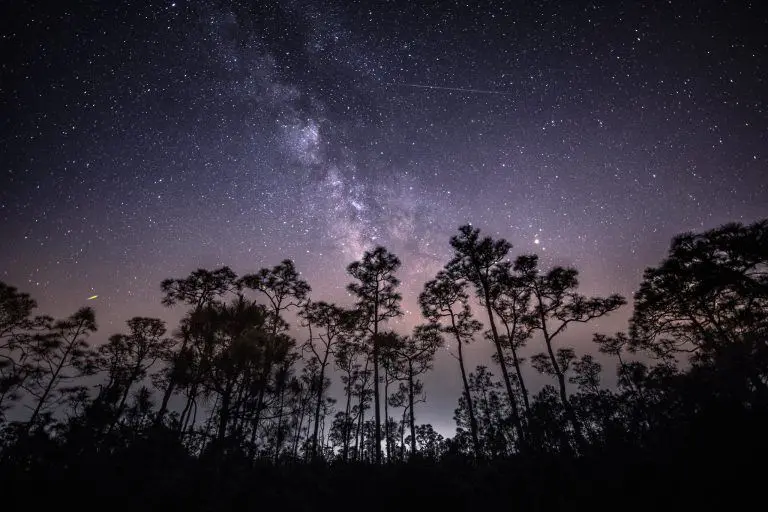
(17, 330)
(493, 415)
(363, 392)
(445, 298)
(511, 301)
(127, 358)
(332, 324)
(58, 356)
(629, 373)
(710, 291)
(282, 286)
(556, 305)
(234, 335)
(284, 289)
(377, 301)
(200, 289)
(413, 355)
(346, 357)
(252, 408)
(477, 260)
(388, 361)
(431, 442)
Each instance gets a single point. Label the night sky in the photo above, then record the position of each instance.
(143, 141)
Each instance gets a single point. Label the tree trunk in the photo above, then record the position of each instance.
(410, 402)
(360, 434)
(224, 410)
(377, 415)
(516, 362)
(386, 414)
(166, 398)
(468, 397)
(569, 412)
(502, 363)
(296, 437)
(279, 433)
(237, 412)
(259, 405)
(184, 418)
(171, 384)
(124, 397)
(319, 402)
(402, 434)
(347, 420)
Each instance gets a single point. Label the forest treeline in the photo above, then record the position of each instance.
(230, 400)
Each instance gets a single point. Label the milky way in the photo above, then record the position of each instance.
(146, 141)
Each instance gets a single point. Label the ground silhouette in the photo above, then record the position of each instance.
(227, 410)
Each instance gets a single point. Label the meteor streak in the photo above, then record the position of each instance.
(93, 297)
(458, 89)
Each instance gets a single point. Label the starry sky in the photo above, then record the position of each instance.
(142, 140)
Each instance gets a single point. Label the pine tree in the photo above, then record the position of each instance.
(377, 302)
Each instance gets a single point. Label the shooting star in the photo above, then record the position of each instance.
(458, 89)
(92, 297)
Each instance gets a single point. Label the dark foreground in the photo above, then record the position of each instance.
(717, 464)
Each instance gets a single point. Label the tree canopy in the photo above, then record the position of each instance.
(231, 393)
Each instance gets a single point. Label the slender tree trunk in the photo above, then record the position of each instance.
(377, 414)
(470, 403)
(402, 434)
(503, 364)
(347, 420)
(386, 414)
(191, 420)
(569, 412)
(321, 382)
(164, 403)
(121, 406)
(237, 415)
(224, 414)
(410, 402)
(124, 397)
(184, 418)
(318, 403)
(207, 436)
(266, 370)
(279, 434)
(518, 371)
(188, 426)
(296, 437)
(171, 383)
(467, 394)
(306, 436)
(323, 440)
(360, 435)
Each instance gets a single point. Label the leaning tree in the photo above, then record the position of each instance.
(477, 260)
(445, 303)
(556, 306)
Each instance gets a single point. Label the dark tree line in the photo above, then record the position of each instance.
(231, 389)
